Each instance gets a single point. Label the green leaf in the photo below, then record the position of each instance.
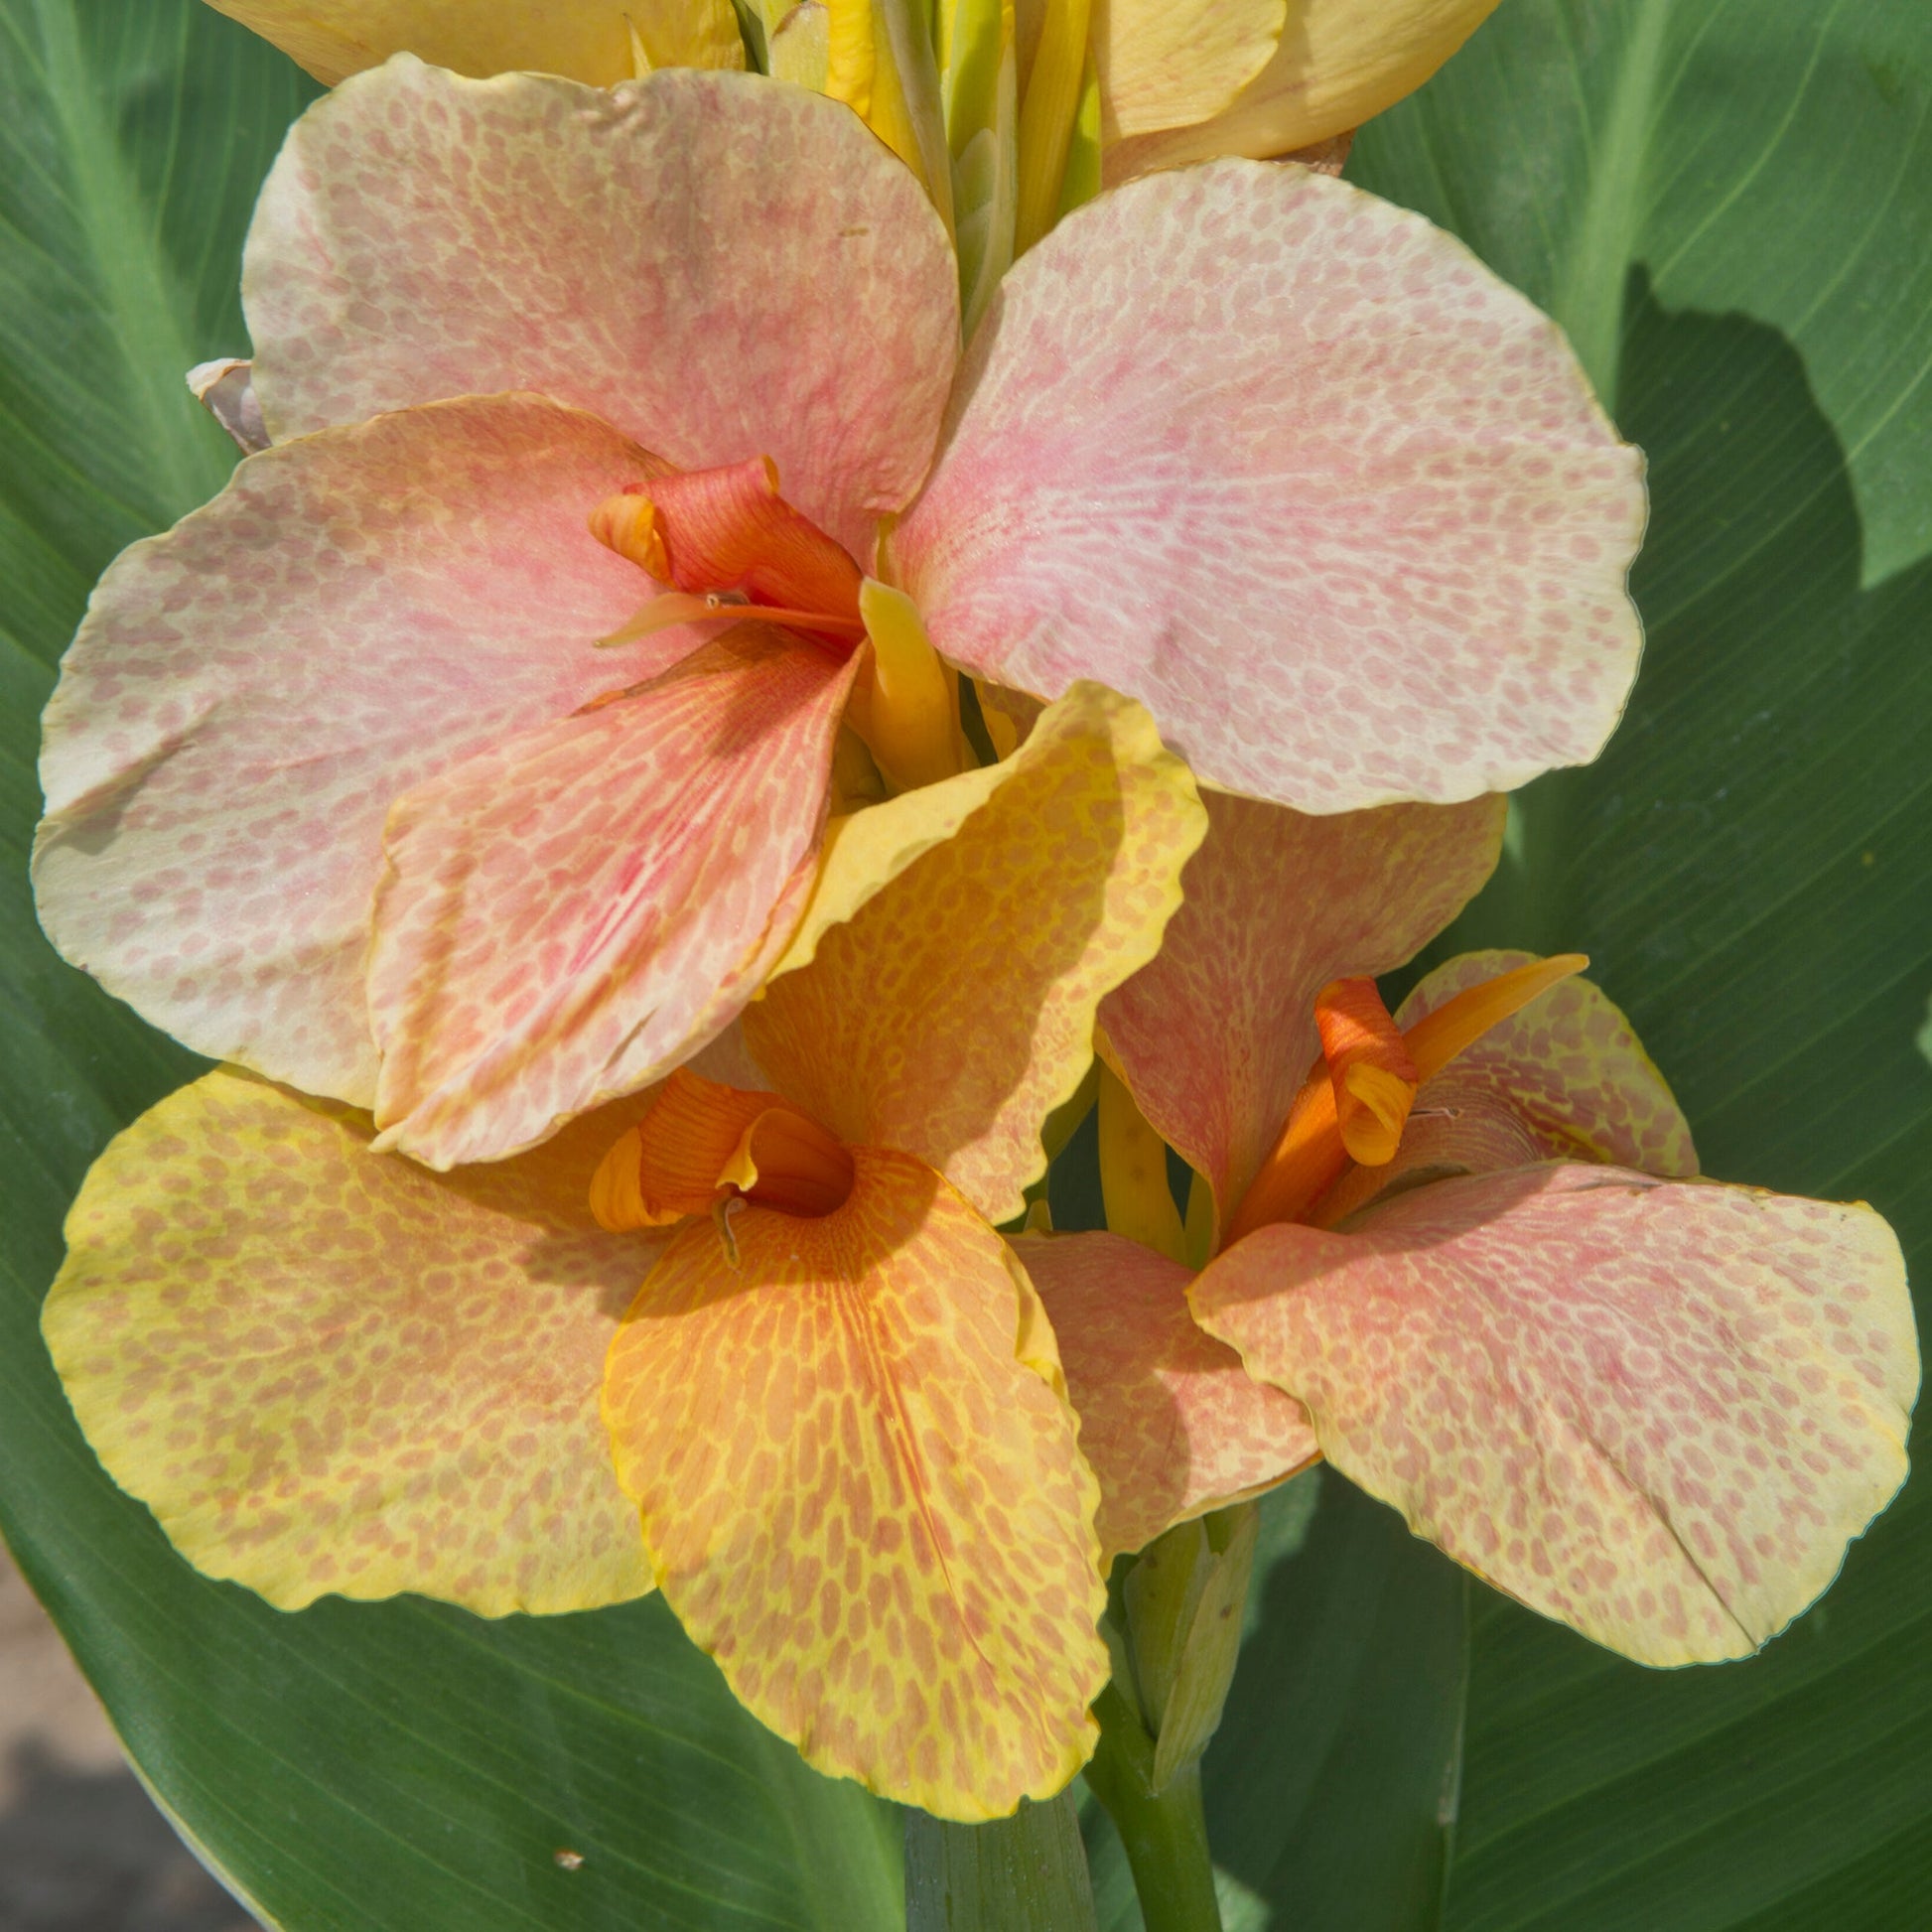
(403, 1765)
(1731, 209)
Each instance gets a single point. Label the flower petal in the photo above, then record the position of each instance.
(1170, 1421)
(325, 1369)
(1217, 1034)
(851, 1443)
(1166, 65)
(723, 267)
(954, 1012)
(1291, 466)
(567, 916)
(352, 615)
(1563, 1079)
(1656, 1411)
(1341, 63)
(588, 40)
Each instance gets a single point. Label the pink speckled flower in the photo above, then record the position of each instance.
(1478, 1256)
(339, 787)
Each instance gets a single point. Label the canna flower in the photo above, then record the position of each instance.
(341, 785)
(752, 1339)
(1473, 1248)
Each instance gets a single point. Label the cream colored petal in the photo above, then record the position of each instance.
(1171, 62)
(583, 39)
(1339, 63)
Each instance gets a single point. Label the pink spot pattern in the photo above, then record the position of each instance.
(1656, 1411)
(1288, 465)
(1170, 1421)
(720, 267)
(1215, 1036)
(330, 1370)
(352, 614)
(851, 1444)
(575, 911)
(1563, 1079)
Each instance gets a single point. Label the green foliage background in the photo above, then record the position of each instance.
(1729, 208)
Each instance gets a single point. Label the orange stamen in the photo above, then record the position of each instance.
(1308, 1158)
(1369, 1067)
(1456, 1024)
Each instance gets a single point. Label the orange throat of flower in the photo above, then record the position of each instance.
(703, 1146)
(1355, 1103)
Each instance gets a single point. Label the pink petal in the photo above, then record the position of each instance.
(1170, 1421)
(723, 267)
(1656, 1411)
(352, 614)
(1216, 1034)
(1563, 1079)
(570, 913)
(1291, 466)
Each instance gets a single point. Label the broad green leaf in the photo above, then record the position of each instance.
(401, 1766)
(1729, 208)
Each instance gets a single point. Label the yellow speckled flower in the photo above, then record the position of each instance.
(834, 1405)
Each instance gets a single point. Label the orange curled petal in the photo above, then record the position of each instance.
(1436, 1038)
(729, 527)
(857, 1471)
(1302, 1164)
(701, 1141)
(1374, 1078)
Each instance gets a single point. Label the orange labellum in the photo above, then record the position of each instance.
(1359, 1094)
(702, 1144)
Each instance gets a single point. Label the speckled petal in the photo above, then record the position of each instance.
(1216, 1036)
(569, 915)
(1291, 466)
(1658, 1412)
(588, 40)
(1171, 1423)
(352, 614)
(723, 267)
(852, 1446)
(326, 1369)
(955, 1011)
(1171, 62)
(1563, 1079)
(1340, 63)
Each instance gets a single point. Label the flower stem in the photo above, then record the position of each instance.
(1165, 1831)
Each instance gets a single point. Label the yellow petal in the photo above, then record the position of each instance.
(326, 1369)
(1173, 63)
(952, 1011)
(849, 1440)
(1339, 63)
(582, 40)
